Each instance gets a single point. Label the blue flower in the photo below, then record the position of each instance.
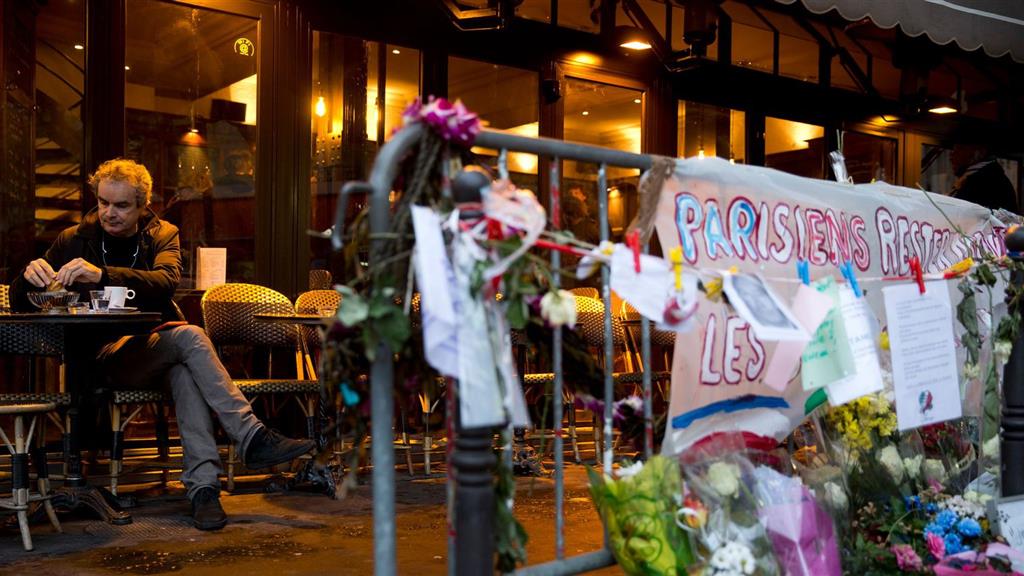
(954, 545)
(933, 528)
(946, 519)
(931, 508)
(969, 528)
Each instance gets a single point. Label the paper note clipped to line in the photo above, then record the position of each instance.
(812, 309)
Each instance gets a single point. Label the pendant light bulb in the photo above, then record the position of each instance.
(321, 107)
(700, 153)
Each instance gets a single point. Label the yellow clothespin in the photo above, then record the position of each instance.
(959, 269)
(676, 256)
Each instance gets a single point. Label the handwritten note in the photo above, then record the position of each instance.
(211, 267)
(861, 336)
(924, 368)
(810, 307)
(828, 356)
(1010, 515)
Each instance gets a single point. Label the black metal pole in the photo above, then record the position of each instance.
(1012, 430)
(473, 458)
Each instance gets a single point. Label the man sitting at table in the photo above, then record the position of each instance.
(122, 242)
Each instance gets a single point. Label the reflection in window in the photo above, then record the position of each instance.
(794, 147)
(608, 116)
(190, 99)
(59, 89)
(349, 120)
(869, 158)
(579, 15)
(504, 98)
(713, 130)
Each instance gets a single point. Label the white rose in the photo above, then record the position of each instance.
(971, 371)
(934, 470)
(630, 471)
(1002, 350)
(733, 558)
(893, 463)
(559, 308)
(913, 466)
(990, 448)
(724, 478)
(836, 496)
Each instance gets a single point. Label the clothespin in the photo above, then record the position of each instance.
(959, 269)
(803, 271)
(915, 270)
(676, 256)
(846, 268)
(633, 241)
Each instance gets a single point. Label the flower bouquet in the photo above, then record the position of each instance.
(639, 514)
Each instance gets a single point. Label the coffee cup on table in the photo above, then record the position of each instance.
(116, 295)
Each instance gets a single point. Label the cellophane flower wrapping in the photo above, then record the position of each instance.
(721, 487)
(639, 515)
(800, 530)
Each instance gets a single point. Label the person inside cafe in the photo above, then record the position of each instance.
(980, 178)
(121, 242)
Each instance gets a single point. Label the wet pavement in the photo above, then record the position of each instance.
(289, 533)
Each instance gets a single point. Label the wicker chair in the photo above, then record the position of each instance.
(311, 303)
(320, 280)
(20, 496)
(665, 340)
(586, 292)
(36, 340)
(228, 312)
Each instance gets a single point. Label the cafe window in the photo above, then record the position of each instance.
(59, 138)
(353, 113)
(711, 130)
(794, 147)
(504, 98)
(608, 116)
(190, 116)
(579, 15)
(869, 158)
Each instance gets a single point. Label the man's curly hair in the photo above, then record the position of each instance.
(124, 170)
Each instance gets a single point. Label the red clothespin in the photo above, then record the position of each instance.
(633, 241)
(915, 270)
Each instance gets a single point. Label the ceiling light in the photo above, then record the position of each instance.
(194, 130)
(79, 47)
(127, 67)
(586, 113)
(637, 100)
(396, 51)
(321, 107)
(942, 109)
(632, 38)
(700, 153)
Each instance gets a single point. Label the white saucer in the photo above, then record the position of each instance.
(122, 310)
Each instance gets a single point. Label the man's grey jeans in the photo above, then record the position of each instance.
(184, 358)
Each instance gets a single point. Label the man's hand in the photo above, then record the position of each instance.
(79, 270)
(39, 273)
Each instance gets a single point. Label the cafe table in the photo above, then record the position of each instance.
(81, 333)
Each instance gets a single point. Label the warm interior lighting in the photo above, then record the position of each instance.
(79, 47)
(585, 113)
(632, 38)
(321, 107)
(942, 109)
(396, 51)
(585, 58)
(637, 100)
(700, 153)
(127, 67)
(732, 160)
(194, 130)
(636, 45)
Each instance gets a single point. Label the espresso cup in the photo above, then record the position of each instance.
(116, 295)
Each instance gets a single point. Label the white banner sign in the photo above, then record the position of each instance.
(763, 221)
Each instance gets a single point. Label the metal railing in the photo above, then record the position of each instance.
(478, 542)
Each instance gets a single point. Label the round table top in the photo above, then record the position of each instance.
(304, 319)
(86, 318)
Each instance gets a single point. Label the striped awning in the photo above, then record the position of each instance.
(995, 26)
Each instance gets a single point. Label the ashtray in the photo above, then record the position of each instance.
(52, 301)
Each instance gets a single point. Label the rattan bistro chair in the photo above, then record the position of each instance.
(313, 302)
(320, 280)
(21, 498)
(228, 312)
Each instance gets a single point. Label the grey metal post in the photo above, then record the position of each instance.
(556, 367)
(1012, 432)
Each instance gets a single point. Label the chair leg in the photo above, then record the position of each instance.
(19, 473)
(427, 444)
(572, 431)
(43, 475)
(163, 439)
(231, 467)
(116, 447)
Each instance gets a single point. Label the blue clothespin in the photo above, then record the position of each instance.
(803, 271)
(847, 270)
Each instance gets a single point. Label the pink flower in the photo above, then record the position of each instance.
(936, 545)
(450, 121)
(907, 559)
